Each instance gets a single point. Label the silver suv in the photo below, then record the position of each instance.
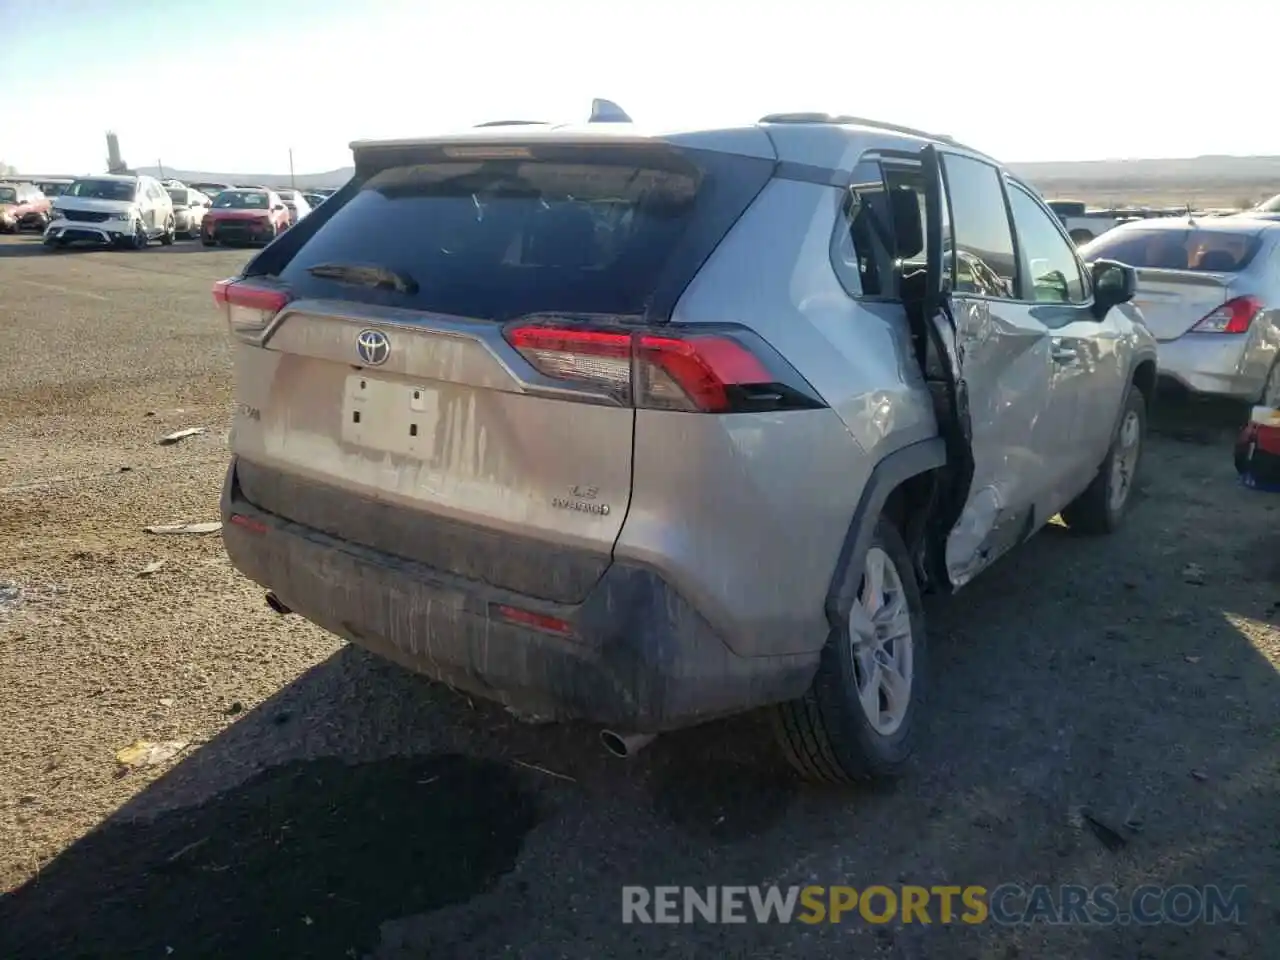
(651, 429)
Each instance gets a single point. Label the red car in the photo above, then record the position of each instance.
(22, 205)
(244, 216)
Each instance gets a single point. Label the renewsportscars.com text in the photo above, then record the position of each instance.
(1007, 904)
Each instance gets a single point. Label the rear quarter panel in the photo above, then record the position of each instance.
(747, 514)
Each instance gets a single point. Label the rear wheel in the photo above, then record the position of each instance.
(857, 720)
(1101, 508)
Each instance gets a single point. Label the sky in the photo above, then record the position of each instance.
(233, 85)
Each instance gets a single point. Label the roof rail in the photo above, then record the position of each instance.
(511, 123)
(854, 121)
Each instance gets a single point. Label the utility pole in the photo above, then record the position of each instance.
(292, 185)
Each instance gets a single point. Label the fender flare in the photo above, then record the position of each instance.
(899, 466)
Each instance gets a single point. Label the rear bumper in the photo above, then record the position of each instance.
(1225, 365)
(639, 658)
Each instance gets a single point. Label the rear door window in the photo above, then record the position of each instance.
(1203, 251)
(501, 239)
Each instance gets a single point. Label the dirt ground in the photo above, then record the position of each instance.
(329, 805)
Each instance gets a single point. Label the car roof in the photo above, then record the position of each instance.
(118, 177)
(1235, 224)
(832, 141)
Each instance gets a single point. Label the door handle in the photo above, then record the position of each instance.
(1062, 353)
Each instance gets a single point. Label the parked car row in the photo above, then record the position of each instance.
(132, 210)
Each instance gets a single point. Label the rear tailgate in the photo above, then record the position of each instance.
(396, 415)
(1186, 268)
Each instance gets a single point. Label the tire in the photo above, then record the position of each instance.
(166, 238)
(140, 239)
(209, 243)
(1103, 505)
(827, 735)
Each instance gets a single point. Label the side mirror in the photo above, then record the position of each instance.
(1114, 283)
(278, 207)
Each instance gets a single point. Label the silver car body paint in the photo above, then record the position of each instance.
(744, 516)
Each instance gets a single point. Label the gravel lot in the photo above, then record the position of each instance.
(330, 805)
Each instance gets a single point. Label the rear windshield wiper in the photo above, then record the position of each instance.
(366, 275)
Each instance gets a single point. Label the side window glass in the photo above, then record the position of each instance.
(862, 248)
(1053, 272)
(881, 238)
(983, 242)
(908, 201)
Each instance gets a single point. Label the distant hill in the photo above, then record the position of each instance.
(304, 181)
(1209, 180)
(1243, 170)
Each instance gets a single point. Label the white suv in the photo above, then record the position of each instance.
(112, 209)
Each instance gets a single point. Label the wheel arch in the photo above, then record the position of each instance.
(902, 485)
(1144, 378)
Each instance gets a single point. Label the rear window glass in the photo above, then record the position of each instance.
(503, 239)
(241, 199)
(1205, 251)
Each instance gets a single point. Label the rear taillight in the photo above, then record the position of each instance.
(1234, 316)
(708, 370)
(249, 309)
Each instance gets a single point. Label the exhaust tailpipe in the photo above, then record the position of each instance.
(274, 603)
(625, 745)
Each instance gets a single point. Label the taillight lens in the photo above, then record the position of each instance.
(1234, 316)
(249, 309)
(712, 370)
